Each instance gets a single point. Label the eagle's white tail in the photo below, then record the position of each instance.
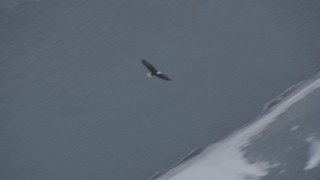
(149, 75)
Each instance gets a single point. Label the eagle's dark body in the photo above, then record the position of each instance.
(154, 71)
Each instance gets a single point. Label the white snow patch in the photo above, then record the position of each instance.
(274, 102)
(314, 154)
(224, 160)
(294, 128)
(282, 171)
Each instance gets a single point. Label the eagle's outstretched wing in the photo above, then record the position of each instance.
(149, 66)
(162, 76)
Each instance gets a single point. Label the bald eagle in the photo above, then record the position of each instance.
(154, 71)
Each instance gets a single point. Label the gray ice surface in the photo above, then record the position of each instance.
(75, 102)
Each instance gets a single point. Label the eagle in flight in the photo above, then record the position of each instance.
(153, 71)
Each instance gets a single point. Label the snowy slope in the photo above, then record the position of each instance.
(279, 145)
